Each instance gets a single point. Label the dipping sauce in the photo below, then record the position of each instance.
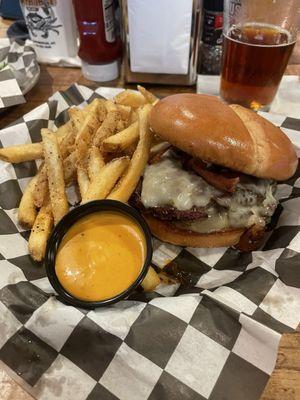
(100, 256)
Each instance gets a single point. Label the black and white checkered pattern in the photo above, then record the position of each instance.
(214, 337)
(19, 71)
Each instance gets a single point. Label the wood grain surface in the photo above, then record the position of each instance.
(284, 383)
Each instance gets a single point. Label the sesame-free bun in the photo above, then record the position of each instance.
(168, 232)
(231, 136)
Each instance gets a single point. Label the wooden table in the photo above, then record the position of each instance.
(285, 380)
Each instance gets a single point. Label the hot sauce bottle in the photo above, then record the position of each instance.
(100, 44)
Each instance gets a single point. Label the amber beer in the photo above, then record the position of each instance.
(254, 59)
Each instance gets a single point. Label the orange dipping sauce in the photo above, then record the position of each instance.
(100, 256)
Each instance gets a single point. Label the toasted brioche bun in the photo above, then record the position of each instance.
(168, 232)
(231, 136)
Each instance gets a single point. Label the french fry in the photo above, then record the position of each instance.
(67, 144)
(151, 280)
(130, 98)
(150, 98)
(41, 187)
(122, 140)
(109, 126)
(27, 211)
(101, 109)
(55, 174)
(134, 117)
(106, 179)
(77, 117)
(21, 153)
(86, 133)
(40, 233)
(128, 182)
(110, 106)
(96, 162)
(69, 166)
(63, 130)
(83, 181)
(125, 112)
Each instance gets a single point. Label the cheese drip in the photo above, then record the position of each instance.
(167, 184)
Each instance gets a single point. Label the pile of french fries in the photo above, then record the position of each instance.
(103, 149)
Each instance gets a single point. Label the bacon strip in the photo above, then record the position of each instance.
(251, 239)
(225, 180)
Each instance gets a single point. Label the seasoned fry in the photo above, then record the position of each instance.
(134, 117)
(40, 233)
(63, 130)
(53, 162)
(110, 106)
(108, 127)
(101, 109)
(150, 98)
(96, 162)
(106, 179)
(122, 140)
(21, 153)
(125, 112)
(41, 187)
(77, 118)
(67, 144)
(27, 211)
(83, 181)
(86, 133)
(128, 182)
(151, 280)
(69, 166)
(130, 98)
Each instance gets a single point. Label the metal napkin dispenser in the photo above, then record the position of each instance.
(161, 40)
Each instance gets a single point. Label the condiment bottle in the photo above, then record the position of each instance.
(52, 28)
(211, 46)
(100, 44)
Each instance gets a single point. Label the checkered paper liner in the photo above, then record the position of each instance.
(19, 71)
(215, 337)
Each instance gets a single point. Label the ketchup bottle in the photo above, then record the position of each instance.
(100, 45)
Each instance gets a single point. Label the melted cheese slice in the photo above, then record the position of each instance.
(167, 184)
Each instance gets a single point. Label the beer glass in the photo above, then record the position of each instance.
(259, 37)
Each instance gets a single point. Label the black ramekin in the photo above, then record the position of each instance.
(64, 225)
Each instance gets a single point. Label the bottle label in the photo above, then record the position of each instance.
(109, 20)
(212, 27)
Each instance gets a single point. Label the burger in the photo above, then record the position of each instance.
(213, 181)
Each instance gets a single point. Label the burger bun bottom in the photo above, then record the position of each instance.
(168, 232)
